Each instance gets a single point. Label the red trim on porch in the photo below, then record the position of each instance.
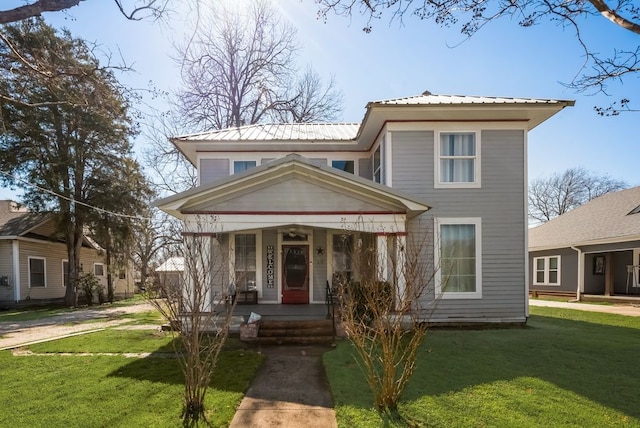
(211, 234)
(293, 212)
(392, 234)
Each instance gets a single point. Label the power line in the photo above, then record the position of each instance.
(101, 210)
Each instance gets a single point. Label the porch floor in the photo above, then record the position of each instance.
(273, 312)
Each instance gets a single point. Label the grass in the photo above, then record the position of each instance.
(565, 369)
(115, 391)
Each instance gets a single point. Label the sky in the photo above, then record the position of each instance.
(396, 60)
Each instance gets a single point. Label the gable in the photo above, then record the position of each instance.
(295, 194)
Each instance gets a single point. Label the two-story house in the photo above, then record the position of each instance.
(289, 201)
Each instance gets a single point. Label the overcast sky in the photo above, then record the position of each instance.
(404, 60)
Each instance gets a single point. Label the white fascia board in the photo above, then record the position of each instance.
(225, 223)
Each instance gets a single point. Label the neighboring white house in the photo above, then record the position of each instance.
(289, 201)
(33, 258)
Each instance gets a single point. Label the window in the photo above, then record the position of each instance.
(245, 261)
(98, 269)
(458, 160)
(344, 165)
(37, 269)
(459, 263)
(65, 273)
(241, 166)
(342, 247)
(378, 169)
(546, 270)
(122, 274)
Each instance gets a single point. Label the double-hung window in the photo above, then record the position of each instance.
(65, 273)
(241, 166)
(245, 261)
(344, 165)
(37, 272)
(458, 163)
(98, 269)
(546, 270)
(342, 250)
(458, 258)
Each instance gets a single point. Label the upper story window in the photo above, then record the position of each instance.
(458, 160)
(241, 166)
(344, 165)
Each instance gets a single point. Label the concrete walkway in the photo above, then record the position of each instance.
(290, 390)
(628, 310)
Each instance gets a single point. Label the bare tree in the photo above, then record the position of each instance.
(387, 320)
(471, 15)
(199, 311)
(129, 9)
(560, 193)
(239, 69)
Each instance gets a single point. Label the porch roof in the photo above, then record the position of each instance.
(336, 192)
(609, 219)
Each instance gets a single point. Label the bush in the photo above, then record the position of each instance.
(89, 284)
(362, 296)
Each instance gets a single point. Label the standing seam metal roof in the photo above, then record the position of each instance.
(282, 131)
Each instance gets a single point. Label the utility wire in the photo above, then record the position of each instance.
(101, 210)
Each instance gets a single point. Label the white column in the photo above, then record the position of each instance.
(401, 281)
(383, 258)
(16, 270)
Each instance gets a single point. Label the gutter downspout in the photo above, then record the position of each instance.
(580, 272)
(16, 270)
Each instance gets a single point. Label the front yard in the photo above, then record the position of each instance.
(565, 369)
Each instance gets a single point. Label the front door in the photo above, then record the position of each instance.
(295, 274)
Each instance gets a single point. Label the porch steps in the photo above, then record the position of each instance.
(301, 332)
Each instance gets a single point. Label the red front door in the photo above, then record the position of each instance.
(295, 274)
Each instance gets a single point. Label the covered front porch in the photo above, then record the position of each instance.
(610, 274)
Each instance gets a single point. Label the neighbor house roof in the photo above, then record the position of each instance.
(17, 221)
(611, 218)
(172, 264)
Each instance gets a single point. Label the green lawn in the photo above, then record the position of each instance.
(565, 369)
(113, 391)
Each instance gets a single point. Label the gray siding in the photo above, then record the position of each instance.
(318, 161)
(292, 195)
(499, 203)
(270, 237)
(213, 169)
(568, 270)
(364, 168)
(265, 160)
(319, 265)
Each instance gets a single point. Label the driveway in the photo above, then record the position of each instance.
(82, 321)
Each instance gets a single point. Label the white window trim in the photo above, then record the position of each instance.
(546, 270)
(232, 161)
(62, 262)
(232, 257)
(94, 270)
(382, 146)
(477, 165)
(44, 259)
(438, 278)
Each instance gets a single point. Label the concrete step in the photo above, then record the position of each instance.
(299, 340)
(301, 332)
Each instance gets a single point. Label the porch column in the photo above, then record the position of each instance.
(608, 274)
(383, 257)
(401, 280)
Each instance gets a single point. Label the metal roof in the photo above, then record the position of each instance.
(608, 218)
(281, 132)
(430, 99)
